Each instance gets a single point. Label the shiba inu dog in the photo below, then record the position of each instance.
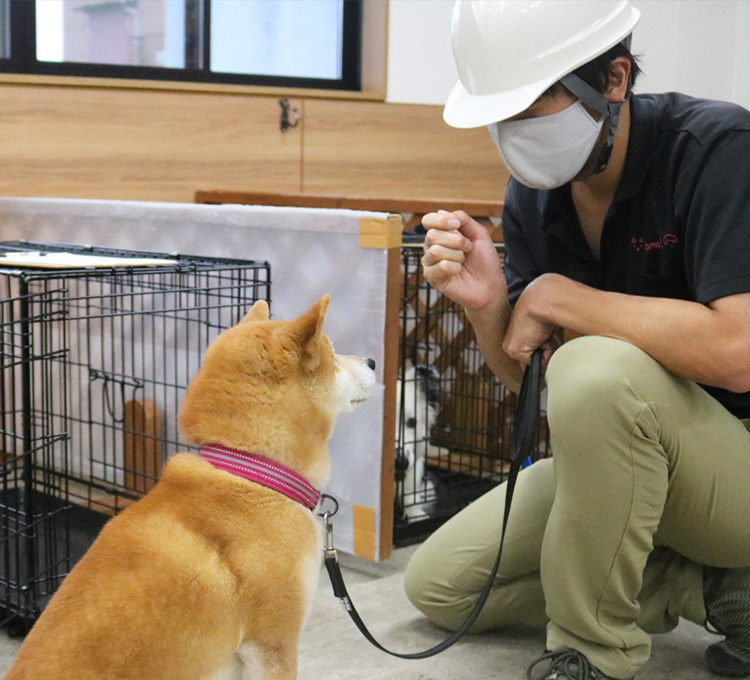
(210, 575)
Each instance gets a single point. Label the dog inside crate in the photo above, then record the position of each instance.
(95, 361)
(418, 405)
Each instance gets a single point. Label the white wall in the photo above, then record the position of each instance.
(698, 47)
(420, 59)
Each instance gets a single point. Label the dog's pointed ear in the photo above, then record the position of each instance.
(307, 330)
(258, 312)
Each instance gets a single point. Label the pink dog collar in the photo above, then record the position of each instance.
(263, 471)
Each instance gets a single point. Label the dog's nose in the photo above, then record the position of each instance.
(371, 364)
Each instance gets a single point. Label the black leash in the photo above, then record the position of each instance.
(525, 423)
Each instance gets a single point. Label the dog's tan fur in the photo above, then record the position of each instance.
(210, 576)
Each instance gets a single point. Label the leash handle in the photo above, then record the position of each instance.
(526, 414)
(525, 424)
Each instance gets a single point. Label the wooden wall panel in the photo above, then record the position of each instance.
(141, 144)
(74, 141)
(372, 149)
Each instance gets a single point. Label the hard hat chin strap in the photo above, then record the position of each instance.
(597, 101)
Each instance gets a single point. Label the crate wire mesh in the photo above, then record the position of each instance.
(94, 365)
(454, 416)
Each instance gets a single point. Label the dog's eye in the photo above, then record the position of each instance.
(411, 422)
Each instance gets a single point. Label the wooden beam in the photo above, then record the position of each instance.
(384, 204)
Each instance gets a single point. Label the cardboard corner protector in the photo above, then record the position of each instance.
(375, 233)
(363, 520)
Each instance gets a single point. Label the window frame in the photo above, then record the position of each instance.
(23, 59)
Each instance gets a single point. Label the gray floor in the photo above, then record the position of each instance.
(332, 648)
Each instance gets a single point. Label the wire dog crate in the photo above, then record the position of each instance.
(95, 361)
(455, 418)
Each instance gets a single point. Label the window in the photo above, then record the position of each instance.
(288, 43)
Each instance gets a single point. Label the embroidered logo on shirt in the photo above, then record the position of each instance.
(641, 244)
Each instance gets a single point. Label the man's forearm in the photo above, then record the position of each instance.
(706, 344)
(490, 324)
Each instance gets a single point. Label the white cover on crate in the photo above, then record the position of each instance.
(311, 251)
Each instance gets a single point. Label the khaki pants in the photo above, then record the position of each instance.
(650, 480)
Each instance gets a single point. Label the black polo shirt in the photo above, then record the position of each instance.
(679, 224)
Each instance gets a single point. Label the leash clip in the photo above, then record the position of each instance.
(329, 552)
(328, 549)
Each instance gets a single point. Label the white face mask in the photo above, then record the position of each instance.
(547, 151)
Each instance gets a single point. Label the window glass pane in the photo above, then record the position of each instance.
(4, 29)
(124, 32)
(49, 33)
(295, 38)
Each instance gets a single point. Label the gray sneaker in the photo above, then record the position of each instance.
(726, 593)
(566, 664)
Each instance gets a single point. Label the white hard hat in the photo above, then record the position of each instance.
(508, 52)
